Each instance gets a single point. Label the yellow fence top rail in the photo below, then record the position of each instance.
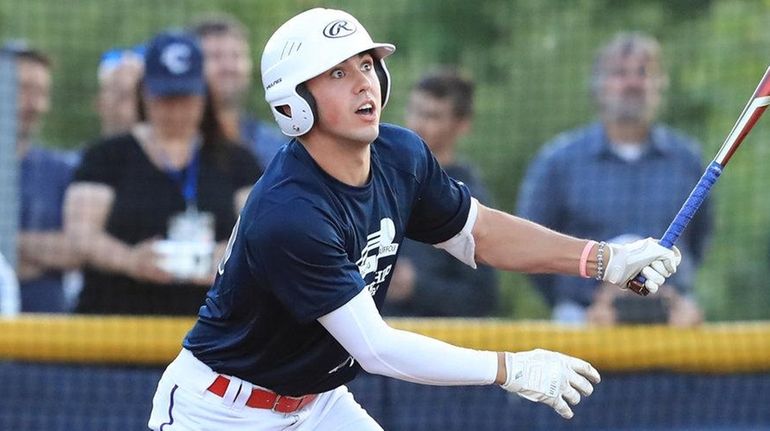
(711, 348)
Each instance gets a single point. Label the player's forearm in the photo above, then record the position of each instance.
(514, 244)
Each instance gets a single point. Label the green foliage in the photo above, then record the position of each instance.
(531, 59)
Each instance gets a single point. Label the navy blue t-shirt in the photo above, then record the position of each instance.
(304, 245)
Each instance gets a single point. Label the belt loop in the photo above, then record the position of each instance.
(276, 403)
(243, 397)
(232, 391)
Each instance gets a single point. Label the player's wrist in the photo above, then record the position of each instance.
(594, 259)
(502, 374)
(515, 375)
(603, 256)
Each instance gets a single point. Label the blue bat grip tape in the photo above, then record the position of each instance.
(690, 207)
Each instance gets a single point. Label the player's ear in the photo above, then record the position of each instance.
(284, 109)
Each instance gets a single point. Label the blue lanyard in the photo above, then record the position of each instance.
(187, 179)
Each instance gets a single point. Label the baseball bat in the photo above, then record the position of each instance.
(751, 113)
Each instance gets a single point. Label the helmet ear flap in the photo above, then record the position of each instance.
(294, 114)
(305, 94)
(384, 77)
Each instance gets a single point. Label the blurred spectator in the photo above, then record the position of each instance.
(175, 176)
(612, 306)
(44, 252)
(427, 281)
(10, 303)
(119, 102)
(228, 71)
(644, 170)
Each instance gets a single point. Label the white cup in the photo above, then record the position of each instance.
(185, 259)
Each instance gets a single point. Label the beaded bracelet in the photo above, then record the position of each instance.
(600, 261)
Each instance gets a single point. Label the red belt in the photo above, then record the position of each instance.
(264, 399)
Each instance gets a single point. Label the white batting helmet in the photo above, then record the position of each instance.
(304, 47)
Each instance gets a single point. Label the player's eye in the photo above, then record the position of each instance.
(367, 66)
(337, 73)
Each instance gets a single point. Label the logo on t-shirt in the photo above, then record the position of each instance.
(378, 245)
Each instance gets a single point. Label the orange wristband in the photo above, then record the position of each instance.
(584, 259)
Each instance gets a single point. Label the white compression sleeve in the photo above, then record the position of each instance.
(462, 246)
(403, 355)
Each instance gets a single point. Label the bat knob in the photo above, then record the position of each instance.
(638, 288)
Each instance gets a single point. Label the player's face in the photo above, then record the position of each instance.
(173, 115)
(34, 95)
(228, 66)
(348, 100)
(434, 120)
(631, 89)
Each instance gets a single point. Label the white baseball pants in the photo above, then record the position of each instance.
(183, 403)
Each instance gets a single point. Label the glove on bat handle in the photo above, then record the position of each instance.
(683, 217)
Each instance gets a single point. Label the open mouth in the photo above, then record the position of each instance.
(366, 109)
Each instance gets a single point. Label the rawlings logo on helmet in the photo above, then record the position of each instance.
(339, 28)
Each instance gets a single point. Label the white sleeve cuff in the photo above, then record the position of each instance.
(462, 246)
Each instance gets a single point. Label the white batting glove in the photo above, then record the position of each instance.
(550, 378)
(655, 262)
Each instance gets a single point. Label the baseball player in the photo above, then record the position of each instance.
(294, 312)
